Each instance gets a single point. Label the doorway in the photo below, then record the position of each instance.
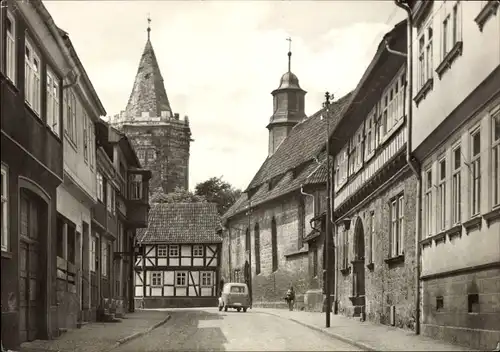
(358, 295)
(31, 287)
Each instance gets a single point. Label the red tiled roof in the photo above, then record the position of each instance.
(181, 223)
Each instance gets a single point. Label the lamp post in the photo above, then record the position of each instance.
(248, 241)
(328, 239)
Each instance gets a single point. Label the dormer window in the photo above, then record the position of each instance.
(135, 187)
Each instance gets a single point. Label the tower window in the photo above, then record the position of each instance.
(473, 303)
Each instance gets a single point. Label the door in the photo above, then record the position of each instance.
(94, 265)
(30, 278)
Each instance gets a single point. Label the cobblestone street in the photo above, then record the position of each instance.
(210, 330)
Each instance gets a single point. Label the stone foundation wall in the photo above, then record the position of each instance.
(175, 302)
(68, 306)
(453, 322)
(386, 285)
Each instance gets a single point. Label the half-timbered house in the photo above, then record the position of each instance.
(179, 261)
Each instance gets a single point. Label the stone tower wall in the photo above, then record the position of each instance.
(170, 162)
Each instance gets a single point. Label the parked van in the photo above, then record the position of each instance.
(234, 295)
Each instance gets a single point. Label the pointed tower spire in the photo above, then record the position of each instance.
(148, 97)
(289, 54)
(149, 25)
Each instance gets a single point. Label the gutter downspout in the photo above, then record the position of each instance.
(412, 161)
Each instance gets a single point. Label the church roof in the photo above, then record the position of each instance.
(148, 93)
(299, 160)
(175, 223)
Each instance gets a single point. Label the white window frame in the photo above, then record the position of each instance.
(93, 252)
(397, 226)
(429, 52)
(441, 197)
(428, 201)
(100, 186)
(85, 138)
(183, 276)
(206, 279)
(495, 160)
(91, 136)
(70, 127)
(456, 185)
(10, 49)
(32, 81)
(198, 250)
(156, 278)
(135, 181)
(110, 198)
(475, 174)
(5, 208)
(53, 102)
(105, 259)
(162, 250)
(173, 250)
(369, 124)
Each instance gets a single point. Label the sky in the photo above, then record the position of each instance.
(220, 61)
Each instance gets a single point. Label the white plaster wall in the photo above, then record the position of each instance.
(481, 55)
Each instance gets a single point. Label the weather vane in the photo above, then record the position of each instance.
(149, 25)
(289, 44)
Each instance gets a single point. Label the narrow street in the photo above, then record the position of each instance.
(210, 330)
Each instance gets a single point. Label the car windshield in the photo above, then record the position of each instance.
(237, 289)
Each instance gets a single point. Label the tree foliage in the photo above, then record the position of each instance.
(179, 195)
(215, 190)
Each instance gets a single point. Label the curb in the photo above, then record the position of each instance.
(352, 342)
(138, 334)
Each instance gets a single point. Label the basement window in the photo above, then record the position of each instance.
(473, 302)
(439, 303)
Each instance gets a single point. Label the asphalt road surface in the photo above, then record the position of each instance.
(211, 330)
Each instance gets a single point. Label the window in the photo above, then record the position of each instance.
(496, 158)
(315, 260)
(162, 250)
(91, 137)
(105, 258)
(110, 198)
(85, 138)
(206, 278)
(93, 248)
(369, 136)
(156, 279)
(198, 251)
(476, 172)
(345, 249)
(425, 52)
(473, 303)
(69, 112)
(439, 303)
(29, 226)
(53, 107)
(397, 226)
(456, 192)
(32, 87)
(342, 167)
(173, 251)
(10, 47)
(247, 240)
(428, 202)
(100, 187)
(385, 100)
(136, 187)
(442, 195)
(257, 248)
(372, 238)
(141, 154)
(274, 244)
(5, 209)
(429, 53)
(446, 36)
(180, 278)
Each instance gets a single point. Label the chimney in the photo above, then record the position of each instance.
(176, 116)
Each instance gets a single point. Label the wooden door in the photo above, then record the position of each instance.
(30, 293)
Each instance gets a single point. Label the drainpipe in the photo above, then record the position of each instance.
(309, 195)
(412, 161)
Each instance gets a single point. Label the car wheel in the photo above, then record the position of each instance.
(225, 308)
(239, 310)
(244, 310)
(220, 308)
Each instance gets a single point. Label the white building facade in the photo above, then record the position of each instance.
(456, 139)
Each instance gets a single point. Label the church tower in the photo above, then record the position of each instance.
(161, 140)
(289, 101)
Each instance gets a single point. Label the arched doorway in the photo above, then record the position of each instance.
(358, 264)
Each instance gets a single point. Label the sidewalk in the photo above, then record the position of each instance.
(365, 335)
(101, 337)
